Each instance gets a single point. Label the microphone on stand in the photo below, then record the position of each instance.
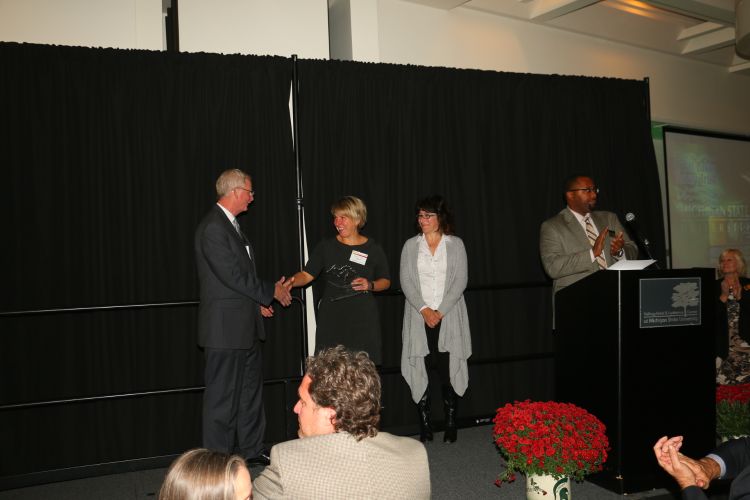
(640, 239)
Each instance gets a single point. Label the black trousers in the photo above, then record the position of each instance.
(233, 417)
(437, 362)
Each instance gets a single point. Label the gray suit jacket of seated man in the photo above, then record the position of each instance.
(337, 466)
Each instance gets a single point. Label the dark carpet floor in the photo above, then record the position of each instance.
(462, 470)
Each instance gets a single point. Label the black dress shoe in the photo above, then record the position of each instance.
(450, 435)
(263, 459)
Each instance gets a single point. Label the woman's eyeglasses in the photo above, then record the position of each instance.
(426, 216)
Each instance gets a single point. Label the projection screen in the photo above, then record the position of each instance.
(708, 191)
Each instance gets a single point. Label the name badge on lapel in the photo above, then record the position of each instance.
(358, 257)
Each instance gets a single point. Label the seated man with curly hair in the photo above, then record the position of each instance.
(340, 453)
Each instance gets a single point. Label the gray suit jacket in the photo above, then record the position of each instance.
(565, 248)
(337, 466)
(230, 290)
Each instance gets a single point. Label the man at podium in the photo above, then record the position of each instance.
(579, 241)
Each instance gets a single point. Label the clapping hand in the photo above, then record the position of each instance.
(617, 243)
(685, 470)
(599, 242)
(665, 450)
(729, 281)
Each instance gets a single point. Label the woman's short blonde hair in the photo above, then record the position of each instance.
(352, 207)
(202, 474)
(741, 266)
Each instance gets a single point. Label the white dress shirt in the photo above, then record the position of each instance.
(232, 219)
(432, 271)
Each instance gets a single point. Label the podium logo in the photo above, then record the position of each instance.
(685, 295)
(667, 302)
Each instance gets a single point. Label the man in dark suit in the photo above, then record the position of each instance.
(579, 241)
(730, 460)
(230, 326)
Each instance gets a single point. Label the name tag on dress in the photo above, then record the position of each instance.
(358, 257)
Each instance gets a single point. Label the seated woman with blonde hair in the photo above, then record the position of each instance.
(202, 474)
(733, 323)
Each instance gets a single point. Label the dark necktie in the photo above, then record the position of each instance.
(243, 238)
(239, 231)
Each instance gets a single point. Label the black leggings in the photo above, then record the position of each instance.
(437, 361)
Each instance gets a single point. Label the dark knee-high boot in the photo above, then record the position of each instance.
(450, 400)
(423, 410)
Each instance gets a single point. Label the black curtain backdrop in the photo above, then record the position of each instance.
(109, 159)
(108, 163)
(498, 146)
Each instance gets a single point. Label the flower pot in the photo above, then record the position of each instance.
(546, 487)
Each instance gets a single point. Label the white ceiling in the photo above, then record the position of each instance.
(696, 29)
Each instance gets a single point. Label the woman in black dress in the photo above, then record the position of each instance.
(353, 266)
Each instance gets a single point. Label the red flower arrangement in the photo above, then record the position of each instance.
(557, 439)
(739, 393)
(732, 410)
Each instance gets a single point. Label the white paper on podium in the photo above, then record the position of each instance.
(630, 265)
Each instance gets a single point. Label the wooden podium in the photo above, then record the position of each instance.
(629, 351)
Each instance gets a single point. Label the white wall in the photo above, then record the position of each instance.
(136, 24)
(683, 92)
(262, 27)
(274, 27)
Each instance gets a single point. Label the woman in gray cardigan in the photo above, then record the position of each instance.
(436, 333)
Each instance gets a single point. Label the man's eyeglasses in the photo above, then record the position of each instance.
(426, 216)
(248, 190)
(588, 190)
